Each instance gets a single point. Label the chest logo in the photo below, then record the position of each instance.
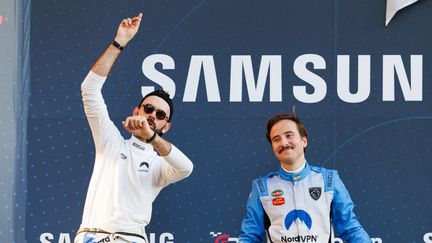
(297, 215)
(277, 193)
(315, 192)
(144, 166)
(278, 201)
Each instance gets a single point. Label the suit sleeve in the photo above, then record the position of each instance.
(103, 129)
(252, 227)
(344, 219)
(175, 167)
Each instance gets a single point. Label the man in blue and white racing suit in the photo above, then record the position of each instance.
(299, 202)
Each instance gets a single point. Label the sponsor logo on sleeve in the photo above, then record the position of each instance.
(330, 179)
(261, 186)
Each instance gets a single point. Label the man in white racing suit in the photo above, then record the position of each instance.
(129, 173)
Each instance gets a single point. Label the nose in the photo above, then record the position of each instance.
(284, 141)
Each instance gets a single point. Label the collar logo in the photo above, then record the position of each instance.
(315, 192)
(277, 193)
(138, 146)
(144, 167)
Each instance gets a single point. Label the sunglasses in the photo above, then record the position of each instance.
(160, 114)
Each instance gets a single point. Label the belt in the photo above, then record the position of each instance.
(97, 230)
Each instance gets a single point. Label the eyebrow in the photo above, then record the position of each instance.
(287, 132)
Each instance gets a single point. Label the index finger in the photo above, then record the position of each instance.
(139, 17)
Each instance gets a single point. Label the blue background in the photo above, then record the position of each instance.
(381, 149)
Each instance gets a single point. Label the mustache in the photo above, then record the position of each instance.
(285, 148)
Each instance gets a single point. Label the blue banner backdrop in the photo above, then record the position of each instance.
(378, 137)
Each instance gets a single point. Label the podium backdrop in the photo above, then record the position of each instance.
(363, 90)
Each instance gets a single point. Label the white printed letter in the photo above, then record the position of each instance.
(319, 85)
(210, 79)
(149, 70)
(343, 79)
(166, 238)
(244, 63)
(64, 238)
(45, 237)
(393, 63)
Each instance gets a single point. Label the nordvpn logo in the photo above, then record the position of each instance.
(298, 217)
(298, 214)
(144, 166)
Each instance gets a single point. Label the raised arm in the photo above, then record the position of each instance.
(95, 109)
(125, 32)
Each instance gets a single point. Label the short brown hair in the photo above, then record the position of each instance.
(285, 116)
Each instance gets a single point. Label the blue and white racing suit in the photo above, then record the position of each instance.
(302, 207)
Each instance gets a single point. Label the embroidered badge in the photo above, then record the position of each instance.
(277, 193)
(315, 192)
(278, 201)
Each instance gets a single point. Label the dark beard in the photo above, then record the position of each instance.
(159, 131)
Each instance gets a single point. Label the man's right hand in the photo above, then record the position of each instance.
(138, 125)
(127, 29)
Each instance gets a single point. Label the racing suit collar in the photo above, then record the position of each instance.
(294, 176)
(136, 142)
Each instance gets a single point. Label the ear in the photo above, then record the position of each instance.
(305, 142)
(135, 111)
(166, 128)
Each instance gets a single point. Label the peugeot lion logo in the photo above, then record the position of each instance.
(144, 166)
(315, 192)
(303, 216)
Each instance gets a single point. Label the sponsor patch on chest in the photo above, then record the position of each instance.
(315, 192)
(144, 166)
(278, 201)
(277, 193)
